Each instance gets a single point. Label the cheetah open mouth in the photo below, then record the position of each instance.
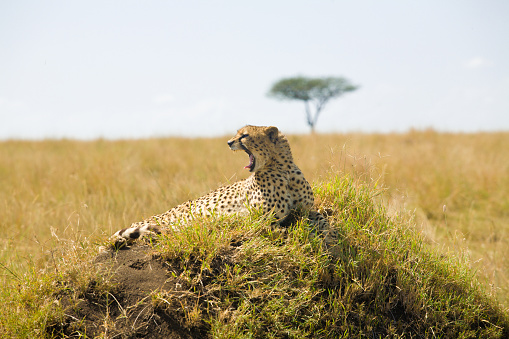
(252, 159)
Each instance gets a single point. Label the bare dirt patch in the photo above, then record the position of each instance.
(131, 309)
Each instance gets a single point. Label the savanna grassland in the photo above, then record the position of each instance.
(55, 194)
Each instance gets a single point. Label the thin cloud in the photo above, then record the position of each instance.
(163, 99)
(477, 62)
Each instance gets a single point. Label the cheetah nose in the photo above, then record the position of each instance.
(230, 143)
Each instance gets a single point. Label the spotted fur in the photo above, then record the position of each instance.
(276, 184)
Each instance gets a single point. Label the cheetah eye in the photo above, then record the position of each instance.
(244, 136)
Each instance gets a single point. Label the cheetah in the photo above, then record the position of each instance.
(276, 185)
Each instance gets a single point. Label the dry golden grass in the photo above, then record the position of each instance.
(81, 190)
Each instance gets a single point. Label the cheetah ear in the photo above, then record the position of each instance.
(272, 132)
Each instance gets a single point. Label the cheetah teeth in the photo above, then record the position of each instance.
(251, 162)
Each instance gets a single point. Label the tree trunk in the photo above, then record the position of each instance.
(310, 120)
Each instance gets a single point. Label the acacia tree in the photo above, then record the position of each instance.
(313, 91)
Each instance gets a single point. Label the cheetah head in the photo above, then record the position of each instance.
(258, 142)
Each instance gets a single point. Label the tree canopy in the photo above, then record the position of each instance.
(317, 91)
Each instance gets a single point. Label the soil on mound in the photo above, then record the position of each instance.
(261, 288)
(132, 309)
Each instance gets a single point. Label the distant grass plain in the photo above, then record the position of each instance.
(456, 185)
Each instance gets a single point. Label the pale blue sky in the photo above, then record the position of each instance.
(123, 69)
